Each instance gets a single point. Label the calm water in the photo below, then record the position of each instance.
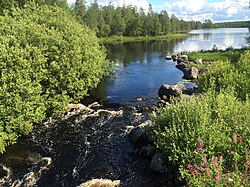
(141, 67)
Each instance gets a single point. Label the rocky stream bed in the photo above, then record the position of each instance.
(88, 143)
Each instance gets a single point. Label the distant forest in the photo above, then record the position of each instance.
(126, 20)
(234, 24)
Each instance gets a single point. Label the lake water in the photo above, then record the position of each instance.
(141, 68)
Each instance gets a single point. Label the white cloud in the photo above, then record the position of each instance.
(139, 3)
(199, 10)
(203, 9)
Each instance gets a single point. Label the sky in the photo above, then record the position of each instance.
(198, 10)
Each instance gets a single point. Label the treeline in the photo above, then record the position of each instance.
(129, 20)
(234, 24)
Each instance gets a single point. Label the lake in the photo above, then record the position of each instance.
(141, 68)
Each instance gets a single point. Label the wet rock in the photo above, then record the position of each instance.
(148, 109)
(158, 164)
(139, 99)
(190, 73)
(94, 105)
(162, 103)
(182, 59)
(101, 183)
(181, 66)
(170, 91)
(175, 57)
(168, 58)
(140, 134)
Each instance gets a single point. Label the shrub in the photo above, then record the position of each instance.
(47, 59)
(224, 75)
(207, 136)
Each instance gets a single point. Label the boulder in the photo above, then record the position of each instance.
(181, 66)
(198, 61)
(190, 73)
(175, 57)
(140, 134)
(158, 164)
(168, 57)
(182, 59)
(166, 91)
(101, 183)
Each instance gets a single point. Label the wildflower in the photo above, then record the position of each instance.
(217, 178)
(207, 166)
(201, 146)
(191, 169)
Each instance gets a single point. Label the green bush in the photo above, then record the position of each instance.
(224, 75)
(47, 60)
(208, 137)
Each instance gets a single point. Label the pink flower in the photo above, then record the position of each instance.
(191, 169)
(201, 146)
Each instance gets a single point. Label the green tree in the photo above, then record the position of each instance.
(92, 16)
(47, 60)
(80, 10)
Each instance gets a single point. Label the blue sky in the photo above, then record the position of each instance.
(216, 10)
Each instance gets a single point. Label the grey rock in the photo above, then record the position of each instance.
(170, 91)
(198, 61)
(190, 73)
(158, 164)
(181, 66)
(140, 134)
(168, 58)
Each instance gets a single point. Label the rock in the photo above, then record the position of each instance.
(139, 134)
(168, 58)
(203, 71)
(147, 151)
(190, 73)
(175, 57)
(158, 164)
(181, 66)
(162, 103)
(183, 59)
(139, 99)
(198, 61)
(101, 183)
(170, 91)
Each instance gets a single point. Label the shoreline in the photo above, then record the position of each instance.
(122, 39)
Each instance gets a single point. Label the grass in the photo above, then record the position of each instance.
(231, 55)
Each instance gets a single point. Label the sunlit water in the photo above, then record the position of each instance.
(141, 68)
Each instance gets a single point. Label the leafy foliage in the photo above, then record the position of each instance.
(46, 60)
(208, 136)
(224, 75)
(211, 127)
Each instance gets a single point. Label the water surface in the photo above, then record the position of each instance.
(141, 68)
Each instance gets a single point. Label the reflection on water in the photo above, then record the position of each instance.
(222, 38)
(141, 67)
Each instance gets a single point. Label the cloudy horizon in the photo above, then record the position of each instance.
(216, 10)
